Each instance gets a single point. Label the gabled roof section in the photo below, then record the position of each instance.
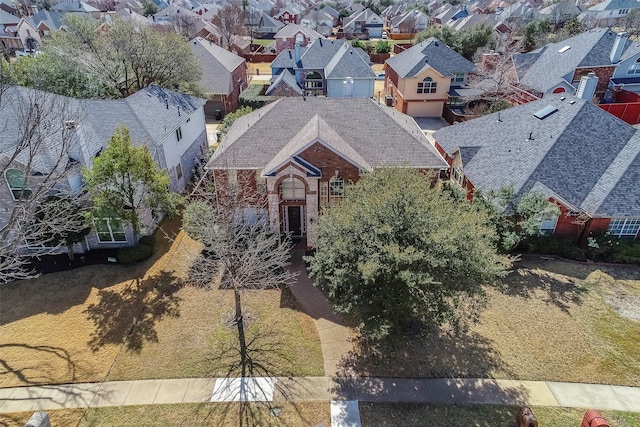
(74, 6)
(429, 53)
(161, 110)
(544, 68)
(53, 20)
(291, 30)
(316, 130)
(615, 5)
(348, 62)
(578, 152)
(218, 65)
(287, 78)
(363, 131)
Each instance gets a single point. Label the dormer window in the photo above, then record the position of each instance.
(634, 68)
(17, 182)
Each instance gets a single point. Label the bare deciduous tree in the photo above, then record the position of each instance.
(40, 210)
(240, 248)
(231, 21)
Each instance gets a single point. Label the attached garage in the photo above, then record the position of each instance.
(425, 109)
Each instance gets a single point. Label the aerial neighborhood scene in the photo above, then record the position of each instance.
(320, 213)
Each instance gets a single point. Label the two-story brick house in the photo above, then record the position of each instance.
(224, 76)
(293, 34)
(420, 78)
(302, 154)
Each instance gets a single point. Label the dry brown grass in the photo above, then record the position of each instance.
(549, 322)
(209, 414)
(70, 326)
(58, 418)
(409, 415)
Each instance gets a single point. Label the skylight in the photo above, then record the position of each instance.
(545, 112)
(564, 49)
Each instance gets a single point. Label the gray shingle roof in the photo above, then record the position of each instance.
(615, 5)
(578, 153)
(218, 65)
(336, 57)
(429, 53)
(145, 113)
(288, 79)
(290, 30)
(544, 68)
(53, 20)
(380, 136)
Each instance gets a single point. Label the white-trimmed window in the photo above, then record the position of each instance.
(427, 86)
(110, 230)
(336, 190)
(179, 171)
(624, 228)
(179, 133)
(292, 189)
(548, 223)
(457, 175)
(634, 68)
(458, 78)
(324, 194)
(17, 182)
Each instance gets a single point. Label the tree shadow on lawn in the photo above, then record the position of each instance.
(264, 362)
(38, 373)
(435, 355)
(534, 280)
(129, 316)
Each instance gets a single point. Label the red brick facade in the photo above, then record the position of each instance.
(290, 42)
(232, 100)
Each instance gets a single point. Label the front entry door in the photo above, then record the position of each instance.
(294, 220)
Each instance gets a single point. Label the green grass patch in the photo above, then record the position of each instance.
(409, 415)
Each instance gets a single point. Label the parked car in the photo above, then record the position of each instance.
(384, 35)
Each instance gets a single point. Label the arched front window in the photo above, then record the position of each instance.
(292, 189)
(299, 39)
(427, 86)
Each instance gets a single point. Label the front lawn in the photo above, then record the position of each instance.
(550, 321)
(71, 326)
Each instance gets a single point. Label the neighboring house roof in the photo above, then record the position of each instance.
(430, 53)
(291, 30)
(364, 15)
(337, 57)
(615, 5)
(150, 114)
(74, 6)
(132, 16)
(218, 65)
(8, 19)
(366, 133)
(269, 23)
(544, 68)
(175, 12)
(581, 155)
(53, 20)
(561, 9)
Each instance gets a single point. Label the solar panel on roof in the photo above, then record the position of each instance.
(545, 112)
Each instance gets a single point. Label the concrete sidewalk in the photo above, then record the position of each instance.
(443, 391)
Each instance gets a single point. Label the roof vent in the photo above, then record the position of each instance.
(545, 112)
(564, 49)
(572, 102)
(562, 98)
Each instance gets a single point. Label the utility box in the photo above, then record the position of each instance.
(593, 418)
(525, 417)
(39, 419)
(389, 100)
